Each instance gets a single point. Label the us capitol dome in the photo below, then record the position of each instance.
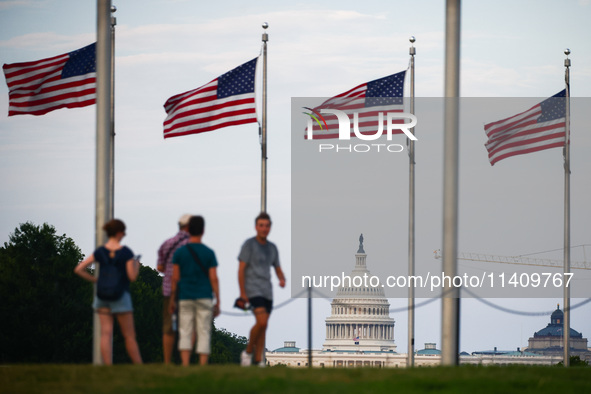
(360, 315)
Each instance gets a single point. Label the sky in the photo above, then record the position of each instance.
(316, 49)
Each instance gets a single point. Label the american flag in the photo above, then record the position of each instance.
(541, 127)
(64, 81)
(226, 101)
(368, 100)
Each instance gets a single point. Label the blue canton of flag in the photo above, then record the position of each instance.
(385, 91)
(553, 107)
(81, 61)
(238, 81)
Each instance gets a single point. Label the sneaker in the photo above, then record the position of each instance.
(245, 359)
(262, 364)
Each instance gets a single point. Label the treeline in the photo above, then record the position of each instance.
(47, 313)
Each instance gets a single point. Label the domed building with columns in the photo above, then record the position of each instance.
(360, 316)
(359, 329)
(549, 340)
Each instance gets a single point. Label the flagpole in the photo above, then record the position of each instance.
(450, 303)
(310, 326)
(264, 125)
(411, 214)
(566, 322)
(112, 148)
(103, 142)
(265, 38)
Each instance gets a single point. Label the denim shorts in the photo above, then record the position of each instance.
(121, 305)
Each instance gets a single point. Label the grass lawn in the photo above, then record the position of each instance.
(156, 378)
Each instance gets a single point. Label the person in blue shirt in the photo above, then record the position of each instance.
(194, 277)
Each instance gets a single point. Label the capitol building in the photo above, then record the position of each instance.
(360, 317)
(360, 333)
(359, 330)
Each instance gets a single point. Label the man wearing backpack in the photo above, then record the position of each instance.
(195, 279)
(165, 254)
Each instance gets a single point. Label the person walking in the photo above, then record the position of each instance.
(164, 265)
(256, 258)
(117, 267)
(195, 279)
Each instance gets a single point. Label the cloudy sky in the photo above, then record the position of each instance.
(316, 49)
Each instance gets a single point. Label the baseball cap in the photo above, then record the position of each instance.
(184, 220)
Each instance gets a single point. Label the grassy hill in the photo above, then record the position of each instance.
(156, 378)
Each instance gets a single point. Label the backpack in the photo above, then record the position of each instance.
(111, 283)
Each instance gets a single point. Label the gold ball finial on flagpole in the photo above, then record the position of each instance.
(412, 39)
(567, 51)
(265, 25)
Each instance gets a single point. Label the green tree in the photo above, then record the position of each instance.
(45, 308)
(226, 346)
(575, 361)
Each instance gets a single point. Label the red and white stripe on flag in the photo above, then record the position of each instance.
(228, 100)
(541, 127)
(64, 81)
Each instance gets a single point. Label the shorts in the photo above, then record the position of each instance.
(166, 317)
(122, 305)
(195, 315)
(257, 302)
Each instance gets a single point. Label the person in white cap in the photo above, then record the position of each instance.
(165, 254)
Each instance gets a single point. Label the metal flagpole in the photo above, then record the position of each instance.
(112, 148)
(411, 214)
(310, 326)
(103, 141)
(566, 322)
(264, 125)
(450, 303)
(265, 38)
